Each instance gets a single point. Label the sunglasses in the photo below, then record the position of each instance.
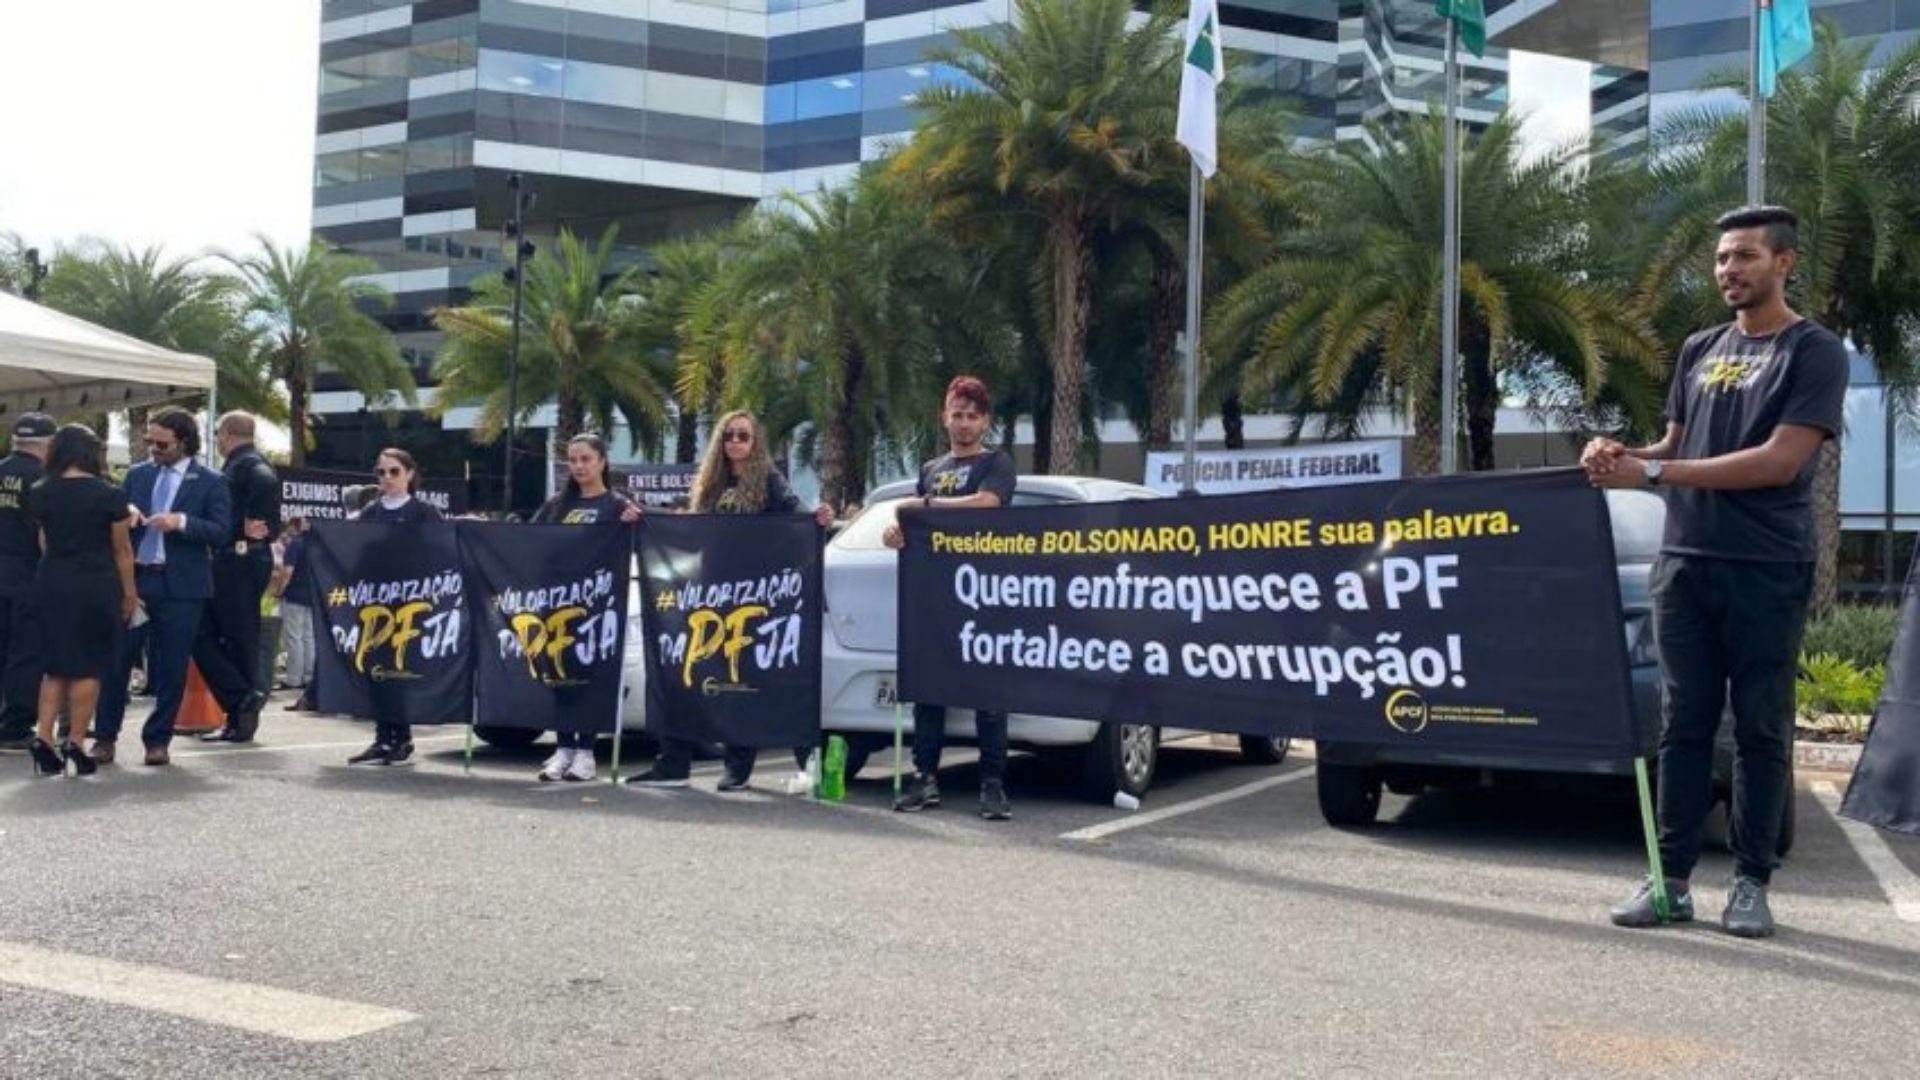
(739, 436)
(388, 470)
(162, 444)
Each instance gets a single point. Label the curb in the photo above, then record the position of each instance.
(1831, 757)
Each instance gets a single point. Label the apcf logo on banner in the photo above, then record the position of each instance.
(392, 620)
(561, 632)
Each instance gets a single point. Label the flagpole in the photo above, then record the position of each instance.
(1450, 255)
(1196, 218)
(1756, 111)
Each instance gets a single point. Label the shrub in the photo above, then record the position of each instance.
(1862, 635)
(1832, 685)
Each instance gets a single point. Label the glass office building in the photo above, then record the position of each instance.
(666, 117)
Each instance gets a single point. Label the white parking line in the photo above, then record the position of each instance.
(247, 1006)
(1898, 882)
(1135, 821)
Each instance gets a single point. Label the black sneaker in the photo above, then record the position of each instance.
(993, 802)
(1637, 911)
(377, 754)
(1747, 914)
(652, 778)
(923, 793)
(401, 754)
(731, 782)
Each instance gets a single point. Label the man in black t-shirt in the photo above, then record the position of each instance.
(19, 558)
(969, 475)
(1751, 404)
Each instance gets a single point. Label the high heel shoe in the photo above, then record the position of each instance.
(45, 761)
(83, 764)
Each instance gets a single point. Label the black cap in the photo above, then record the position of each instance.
(34, 425)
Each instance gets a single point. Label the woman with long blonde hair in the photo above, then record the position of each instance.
(736, 477)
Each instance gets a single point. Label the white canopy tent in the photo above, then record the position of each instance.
(62, 366)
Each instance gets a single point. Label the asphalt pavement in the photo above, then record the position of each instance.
(267, 911)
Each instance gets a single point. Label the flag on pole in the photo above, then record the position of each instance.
(1200, 77)
(1471, 17)
(1786, 37)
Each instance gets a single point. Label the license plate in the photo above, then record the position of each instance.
(884, 695)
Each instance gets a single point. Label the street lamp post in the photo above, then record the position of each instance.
(36, 273)
(516, 274)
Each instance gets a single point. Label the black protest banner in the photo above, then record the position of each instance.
(315, 494)
(391, 611)
(549, 609)
(1459, 615)
(1885, 789)
(732, 616)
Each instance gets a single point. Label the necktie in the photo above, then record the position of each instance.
(153, 548)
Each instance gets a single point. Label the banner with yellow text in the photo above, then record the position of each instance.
(392, 615)
(1452, 616)
(732, 614)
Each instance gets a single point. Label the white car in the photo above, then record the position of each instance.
(857, 676)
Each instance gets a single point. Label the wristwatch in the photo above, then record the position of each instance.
(1653, 469)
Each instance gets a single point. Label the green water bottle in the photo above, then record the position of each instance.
(833, 777)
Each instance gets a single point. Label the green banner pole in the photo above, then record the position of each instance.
(469, 750)
(896, 749)
(1660, 902)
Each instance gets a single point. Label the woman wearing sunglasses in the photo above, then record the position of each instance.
(736, 477)
(398, 479)
(588, 499)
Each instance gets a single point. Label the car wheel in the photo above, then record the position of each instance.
(507, 738)
(1349, 794)
(1261, 750)
(1122, 757)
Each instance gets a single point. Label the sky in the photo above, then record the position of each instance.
(183, 123)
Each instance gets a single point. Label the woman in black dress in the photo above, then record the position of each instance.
(587, 500)
(736, 476)
(83, 592)
(398, 480)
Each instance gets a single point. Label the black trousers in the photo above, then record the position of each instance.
(19, 667)
(676, 758)
(1728, 630)
(227, 649)
(930, 738)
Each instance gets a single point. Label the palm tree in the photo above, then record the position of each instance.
(1346, 314)
(172, 304)
(1062, 117)
(848, 296)
(670, 319)
(1843, 145)
(571, 348)
(310, 313)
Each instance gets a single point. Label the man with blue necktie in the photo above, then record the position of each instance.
(182, 511)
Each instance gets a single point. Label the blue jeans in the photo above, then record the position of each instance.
(168, 636)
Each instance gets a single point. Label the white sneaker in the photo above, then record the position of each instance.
(582, 767)
(557, 765)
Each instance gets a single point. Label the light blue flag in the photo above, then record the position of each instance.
(1786, 37)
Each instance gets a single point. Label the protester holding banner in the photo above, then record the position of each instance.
(83, 591)
(398, 478)
(968, 476)
(1751, 403)
(587, 499)
(737, 476)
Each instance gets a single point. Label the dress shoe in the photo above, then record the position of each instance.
(47, 761)
(103, 751)
(157, 755)
(83, 763)
(225, 734)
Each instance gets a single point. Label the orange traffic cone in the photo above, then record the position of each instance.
(198, 711)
